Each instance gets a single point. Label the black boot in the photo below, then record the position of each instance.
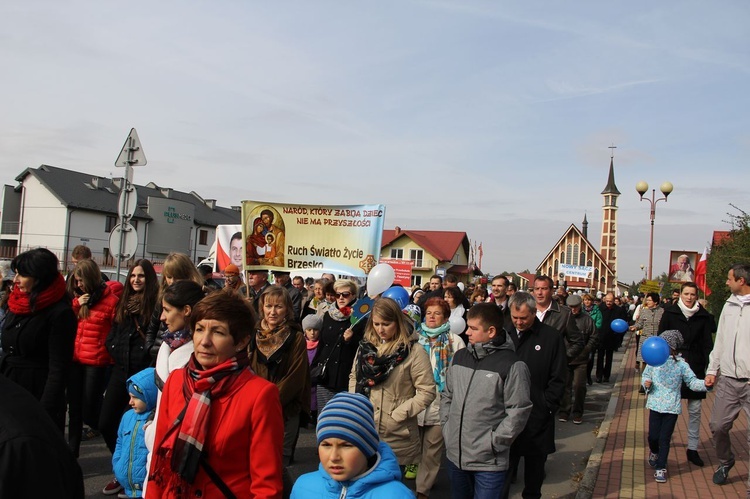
(693, 457)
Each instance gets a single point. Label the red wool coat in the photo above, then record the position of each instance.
(244, 442)
(90, 348)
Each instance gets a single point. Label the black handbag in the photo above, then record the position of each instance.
(319, 372)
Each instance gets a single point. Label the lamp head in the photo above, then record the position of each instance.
(666, 189)
(642, 188)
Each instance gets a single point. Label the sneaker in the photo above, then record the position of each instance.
(112, 488)
(410, 473)
(90, 434)
(721, 473)
(652, 457)
(562, 417)
(122, 495)
(577, 419)
(661, 475)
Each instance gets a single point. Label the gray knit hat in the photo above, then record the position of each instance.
(312, 322)
(673, 338)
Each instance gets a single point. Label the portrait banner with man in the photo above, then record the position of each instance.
(682, 266)
(337, 239)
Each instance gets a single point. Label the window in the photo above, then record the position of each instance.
(416, 280)
(568, 254)
(575, 254)
(416, 256)
(203, 237)
(110, 223)
(397, 253)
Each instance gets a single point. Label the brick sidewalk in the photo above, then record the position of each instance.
(624, 471)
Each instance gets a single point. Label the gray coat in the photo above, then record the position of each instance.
(485, 405)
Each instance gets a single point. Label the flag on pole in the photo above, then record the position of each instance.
(700, 273)
(481, 254)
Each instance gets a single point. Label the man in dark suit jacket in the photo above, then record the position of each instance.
(558, 316)
(609, 341)
(542, 348)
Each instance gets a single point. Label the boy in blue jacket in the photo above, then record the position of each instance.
(353, 461)
(129, 459)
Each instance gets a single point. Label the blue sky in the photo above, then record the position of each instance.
(489, 117)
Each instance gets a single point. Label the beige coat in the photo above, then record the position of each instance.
(409, 389)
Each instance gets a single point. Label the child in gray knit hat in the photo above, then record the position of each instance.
(311, 325)
(663, 383)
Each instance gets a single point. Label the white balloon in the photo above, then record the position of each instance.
(461, 286)
(379, 279)
(458, 324)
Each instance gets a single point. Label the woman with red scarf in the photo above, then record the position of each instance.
(220, 429)
(39, 331)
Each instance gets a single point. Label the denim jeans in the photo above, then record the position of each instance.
(660, 429)
(475, 484)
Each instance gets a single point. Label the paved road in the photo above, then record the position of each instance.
(564, 468)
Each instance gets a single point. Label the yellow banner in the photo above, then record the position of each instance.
(336, 239)
(650, 287)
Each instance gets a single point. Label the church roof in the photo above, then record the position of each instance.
(583, 238)
(611, 188)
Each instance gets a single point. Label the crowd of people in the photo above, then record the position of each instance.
(200, 390)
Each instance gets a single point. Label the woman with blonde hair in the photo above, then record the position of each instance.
(338, 341)
(278, 353)
(177, 267)
(391, 371)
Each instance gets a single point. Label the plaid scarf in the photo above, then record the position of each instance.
(199, 388)
(438, 343)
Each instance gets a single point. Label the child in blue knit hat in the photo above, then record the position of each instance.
(353, 460)
(129, 459)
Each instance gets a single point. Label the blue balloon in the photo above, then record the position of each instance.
(619, 326)
(399, 295)
(655, 351)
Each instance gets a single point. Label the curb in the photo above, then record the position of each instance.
(588, 482)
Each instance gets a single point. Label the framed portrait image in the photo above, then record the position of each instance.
(682, 265)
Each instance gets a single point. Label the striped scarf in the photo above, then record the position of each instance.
(199, 388)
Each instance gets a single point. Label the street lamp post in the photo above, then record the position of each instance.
(642, 188)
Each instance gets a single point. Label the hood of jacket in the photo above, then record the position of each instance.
(386, 469)
(501, 341)
(147, 391)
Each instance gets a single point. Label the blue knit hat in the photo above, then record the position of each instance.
(350, 417)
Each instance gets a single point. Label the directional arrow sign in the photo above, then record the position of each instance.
(132, 152)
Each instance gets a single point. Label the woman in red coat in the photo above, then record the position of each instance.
(219, 431)
(94, 304)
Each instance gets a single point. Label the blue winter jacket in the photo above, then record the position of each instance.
(382, 480)
(666, 381)
(129, 459)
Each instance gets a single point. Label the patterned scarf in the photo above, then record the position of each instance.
(373, 369)
(438, 343)
(340, 315)
(177, 339)
(199, 388)
(268, 341)
(19, 301)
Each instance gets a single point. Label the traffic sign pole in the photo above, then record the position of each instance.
(130, 155)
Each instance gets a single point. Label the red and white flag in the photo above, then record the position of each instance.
(700, 273)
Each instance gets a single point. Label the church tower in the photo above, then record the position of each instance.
(609, 222)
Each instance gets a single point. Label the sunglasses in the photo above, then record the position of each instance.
(345, 294)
